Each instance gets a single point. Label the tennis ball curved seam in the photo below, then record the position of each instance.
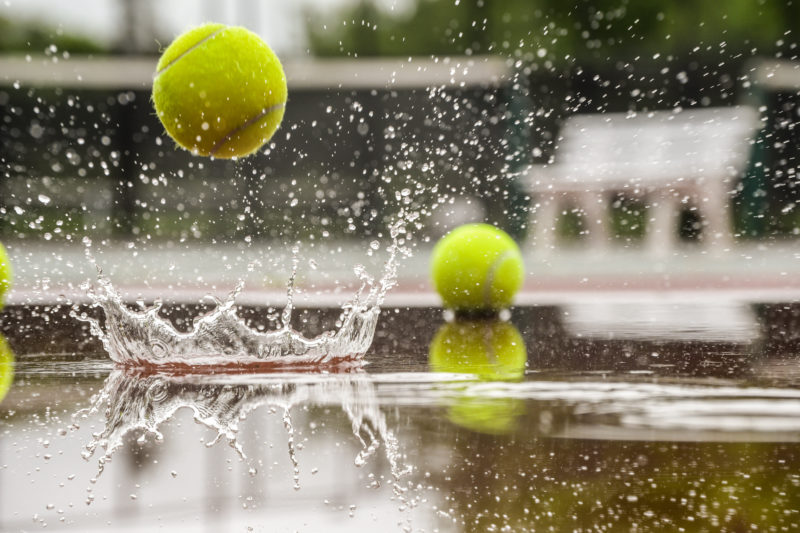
(477, 266)
(182, 54)
(489, 281)
(238, 129)
(247, 123)
(254, 124)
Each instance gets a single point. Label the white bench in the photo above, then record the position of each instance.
(671, 158)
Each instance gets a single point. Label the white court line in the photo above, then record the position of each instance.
(421, 298)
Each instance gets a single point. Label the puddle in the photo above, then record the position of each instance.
(400, 443)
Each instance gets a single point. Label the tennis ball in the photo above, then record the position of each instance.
(6, 367)
(477, 267)
(219, 91)
(491, 350)
(5, 274)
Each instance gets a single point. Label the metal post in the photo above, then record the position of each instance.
(516, 203)
(754, 204)
(124, 185)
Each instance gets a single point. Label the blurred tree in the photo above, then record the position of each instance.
(16, 36)
(579, 56)
(584, 31)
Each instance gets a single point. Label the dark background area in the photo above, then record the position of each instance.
(341, 156)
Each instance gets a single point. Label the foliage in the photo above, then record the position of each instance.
(16, 36)
(583, 31)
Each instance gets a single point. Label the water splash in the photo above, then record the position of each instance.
(136, 402)
(287, 424)
(140, 337)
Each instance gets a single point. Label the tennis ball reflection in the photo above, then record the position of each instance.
(492, 350)
(6, 367)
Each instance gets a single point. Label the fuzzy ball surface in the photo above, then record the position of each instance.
(220, 91)
(477, 267)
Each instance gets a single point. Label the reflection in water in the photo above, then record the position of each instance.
(526, 483)
(781, 371)
(140, 403)
(708, 321)
(592, 452)
(6, 367)
(588, 438)
(492, 350)
(649, 410)
(587, 451)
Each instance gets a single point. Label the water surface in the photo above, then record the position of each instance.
(592, 429)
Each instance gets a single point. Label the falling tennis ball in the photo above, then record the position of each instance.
(219, 91)
(5, 274)
(6, 367)
(491, 350)
(477, 267)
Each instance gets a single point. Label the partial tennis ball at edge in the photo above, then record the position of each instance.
(220, 91)
(6, 367)
(6, 275)
(477, 267)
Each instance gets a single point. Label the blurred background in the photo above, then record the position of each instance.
(457, 111)
(644, 155)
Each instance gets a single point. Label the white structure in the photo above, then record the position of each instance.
(671, 317)
(136, 72)
(669, 157)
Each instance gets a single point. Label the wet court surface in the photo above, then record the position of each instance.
(606, 417)
(761, 271)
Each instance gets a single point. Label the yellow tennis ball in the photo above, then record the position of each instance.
(219, 91)
(6, 367)
(477, 267)
(491, 350)
(5, 274)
